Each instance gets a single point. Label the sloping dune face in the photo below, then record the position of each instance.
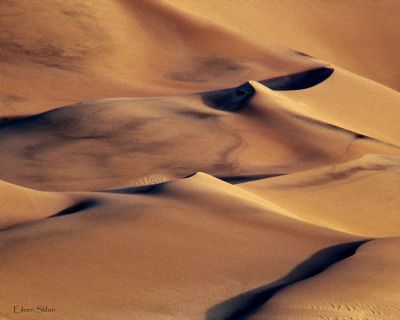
(172, 160)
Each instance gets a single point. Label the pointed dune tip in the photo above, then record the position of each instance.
(232, 99)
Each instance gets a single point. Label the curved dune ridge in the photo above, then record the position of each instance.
(176, 159)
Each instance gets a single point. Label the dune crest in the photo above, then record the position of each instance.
(19, 205)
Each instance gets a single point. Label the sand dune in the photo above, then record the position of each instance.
(121, 48)
(247, 304)
(20, 204)
(353, 103)
(178, 247)
(360, 36)
(359, 197)
(218, 160)
(113, 143)
(354, 288)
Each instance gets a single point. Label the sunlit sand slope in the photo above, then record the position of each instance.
(354, 103)
(20, 204)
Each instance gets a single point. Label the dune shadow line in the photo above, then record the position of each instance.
(242, 306)
(83, 205)
(300, 80)
(231, 99)
(246, 178)
(155, 188)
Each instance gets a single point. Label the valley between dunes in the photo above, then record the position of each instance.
(183, 159)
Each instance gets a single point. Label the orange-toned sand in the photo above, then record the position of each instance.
(182, 159)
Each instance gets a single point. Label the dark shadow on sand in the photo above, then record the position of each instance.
(83, 205)
(232, 99)
(299, 81)
(148, 189)
(243, 179)
(241, 307)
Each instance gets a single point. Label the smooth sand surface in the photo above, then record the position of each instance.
(217, 160)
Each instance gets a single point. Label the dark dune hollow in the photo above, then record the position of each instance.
(232, 99)
(10, 120)
(299, 81)
(151, 189)
(244, 305)
(242, 179)
(83, 205)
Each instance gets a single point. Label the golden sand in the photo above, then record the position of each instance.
(183, 159)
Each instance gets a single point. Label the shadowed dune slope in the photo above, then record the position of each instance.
(170, 253)
(119, 142)
(359, 197)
